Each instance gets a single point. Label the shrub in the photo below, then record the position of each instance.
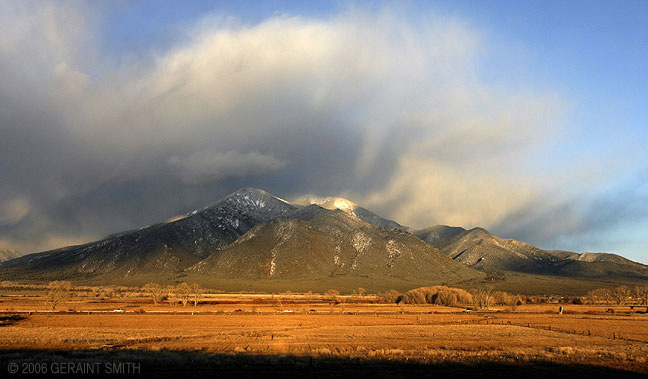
(446, 297)
(390, 296)
(333, 294)
(440, 295)
(503, 298)
(416, 296)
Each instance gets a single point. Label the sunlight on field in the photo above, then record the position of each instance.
(349, 327)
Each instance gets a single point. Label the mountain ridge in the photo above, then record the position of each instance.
(166, 246)
(209, 242)
(332, 203)
(483, 250)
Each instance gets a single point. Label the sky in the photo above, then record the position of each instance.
(526, 118)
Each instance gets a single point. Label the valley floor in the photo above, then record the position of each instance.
(295, 339)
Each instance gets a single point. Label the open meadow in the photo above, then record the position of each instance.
(351, 335)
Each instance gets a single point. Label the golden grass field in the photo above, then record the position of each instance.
(247, 335)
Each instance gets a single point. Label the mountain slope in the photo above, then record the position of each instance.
(439, 235)
(592, 257)
(331, 244)
(254, 235)
(482, 250)
(167, 247)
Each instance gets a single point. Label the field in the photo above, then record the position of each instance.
(296, 335)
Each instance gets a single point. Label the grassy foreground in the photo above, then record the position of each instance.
(247, 335)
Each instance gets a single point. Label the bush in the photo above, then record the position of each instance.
(415, 297)
(503, 298)
(390, 296)
(440, 295)
(333, 292)
(446, 297)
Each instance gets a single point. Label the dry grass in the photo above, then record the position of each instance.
(358, 329)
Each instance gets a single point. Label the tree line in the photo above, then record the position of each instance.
(448, 296)
(485, 297)
(183, 293)
(620, 295)
(57, 292)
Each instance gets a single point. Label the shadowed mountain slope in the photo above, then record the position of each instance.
(166, 247)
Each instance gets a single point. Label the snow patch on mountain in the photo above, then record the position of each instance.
(273, 263)
(351, 208)
(361, 241)
(327, 202)
(392, 249)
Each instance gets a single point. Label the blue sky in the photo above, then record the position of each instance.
(525, 117)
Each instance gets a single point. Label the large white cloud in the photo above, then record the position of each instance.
(382, 107)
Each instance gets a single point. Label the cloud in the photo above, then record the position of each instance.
(45, 243)
(13, 211)
(208, 166)
(384, 107)
(600, 219)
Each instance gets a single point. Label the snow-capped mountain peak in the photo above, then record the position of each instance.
(333, 203)
(327, 202)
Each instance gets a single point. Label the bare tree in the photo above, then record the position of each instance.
(333, 294)
(482, 297)
(108, 292)
(170, 290)
(95, 291)
(621, 294)
(155, 290)
(640, 294)
(603, 294)
(184, 292)
(57, 291)
(196, 290)
(503, 298)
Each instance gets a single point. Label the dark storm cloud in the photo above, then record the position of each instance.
(370, 106)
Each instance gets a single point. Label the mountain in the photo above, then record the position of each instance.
(7, 254)
(166, 247)
(252, 237)
(483, 250)
(592, 257)
(479, 248)
(439, 235)
(332, 243)
(351, 208)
